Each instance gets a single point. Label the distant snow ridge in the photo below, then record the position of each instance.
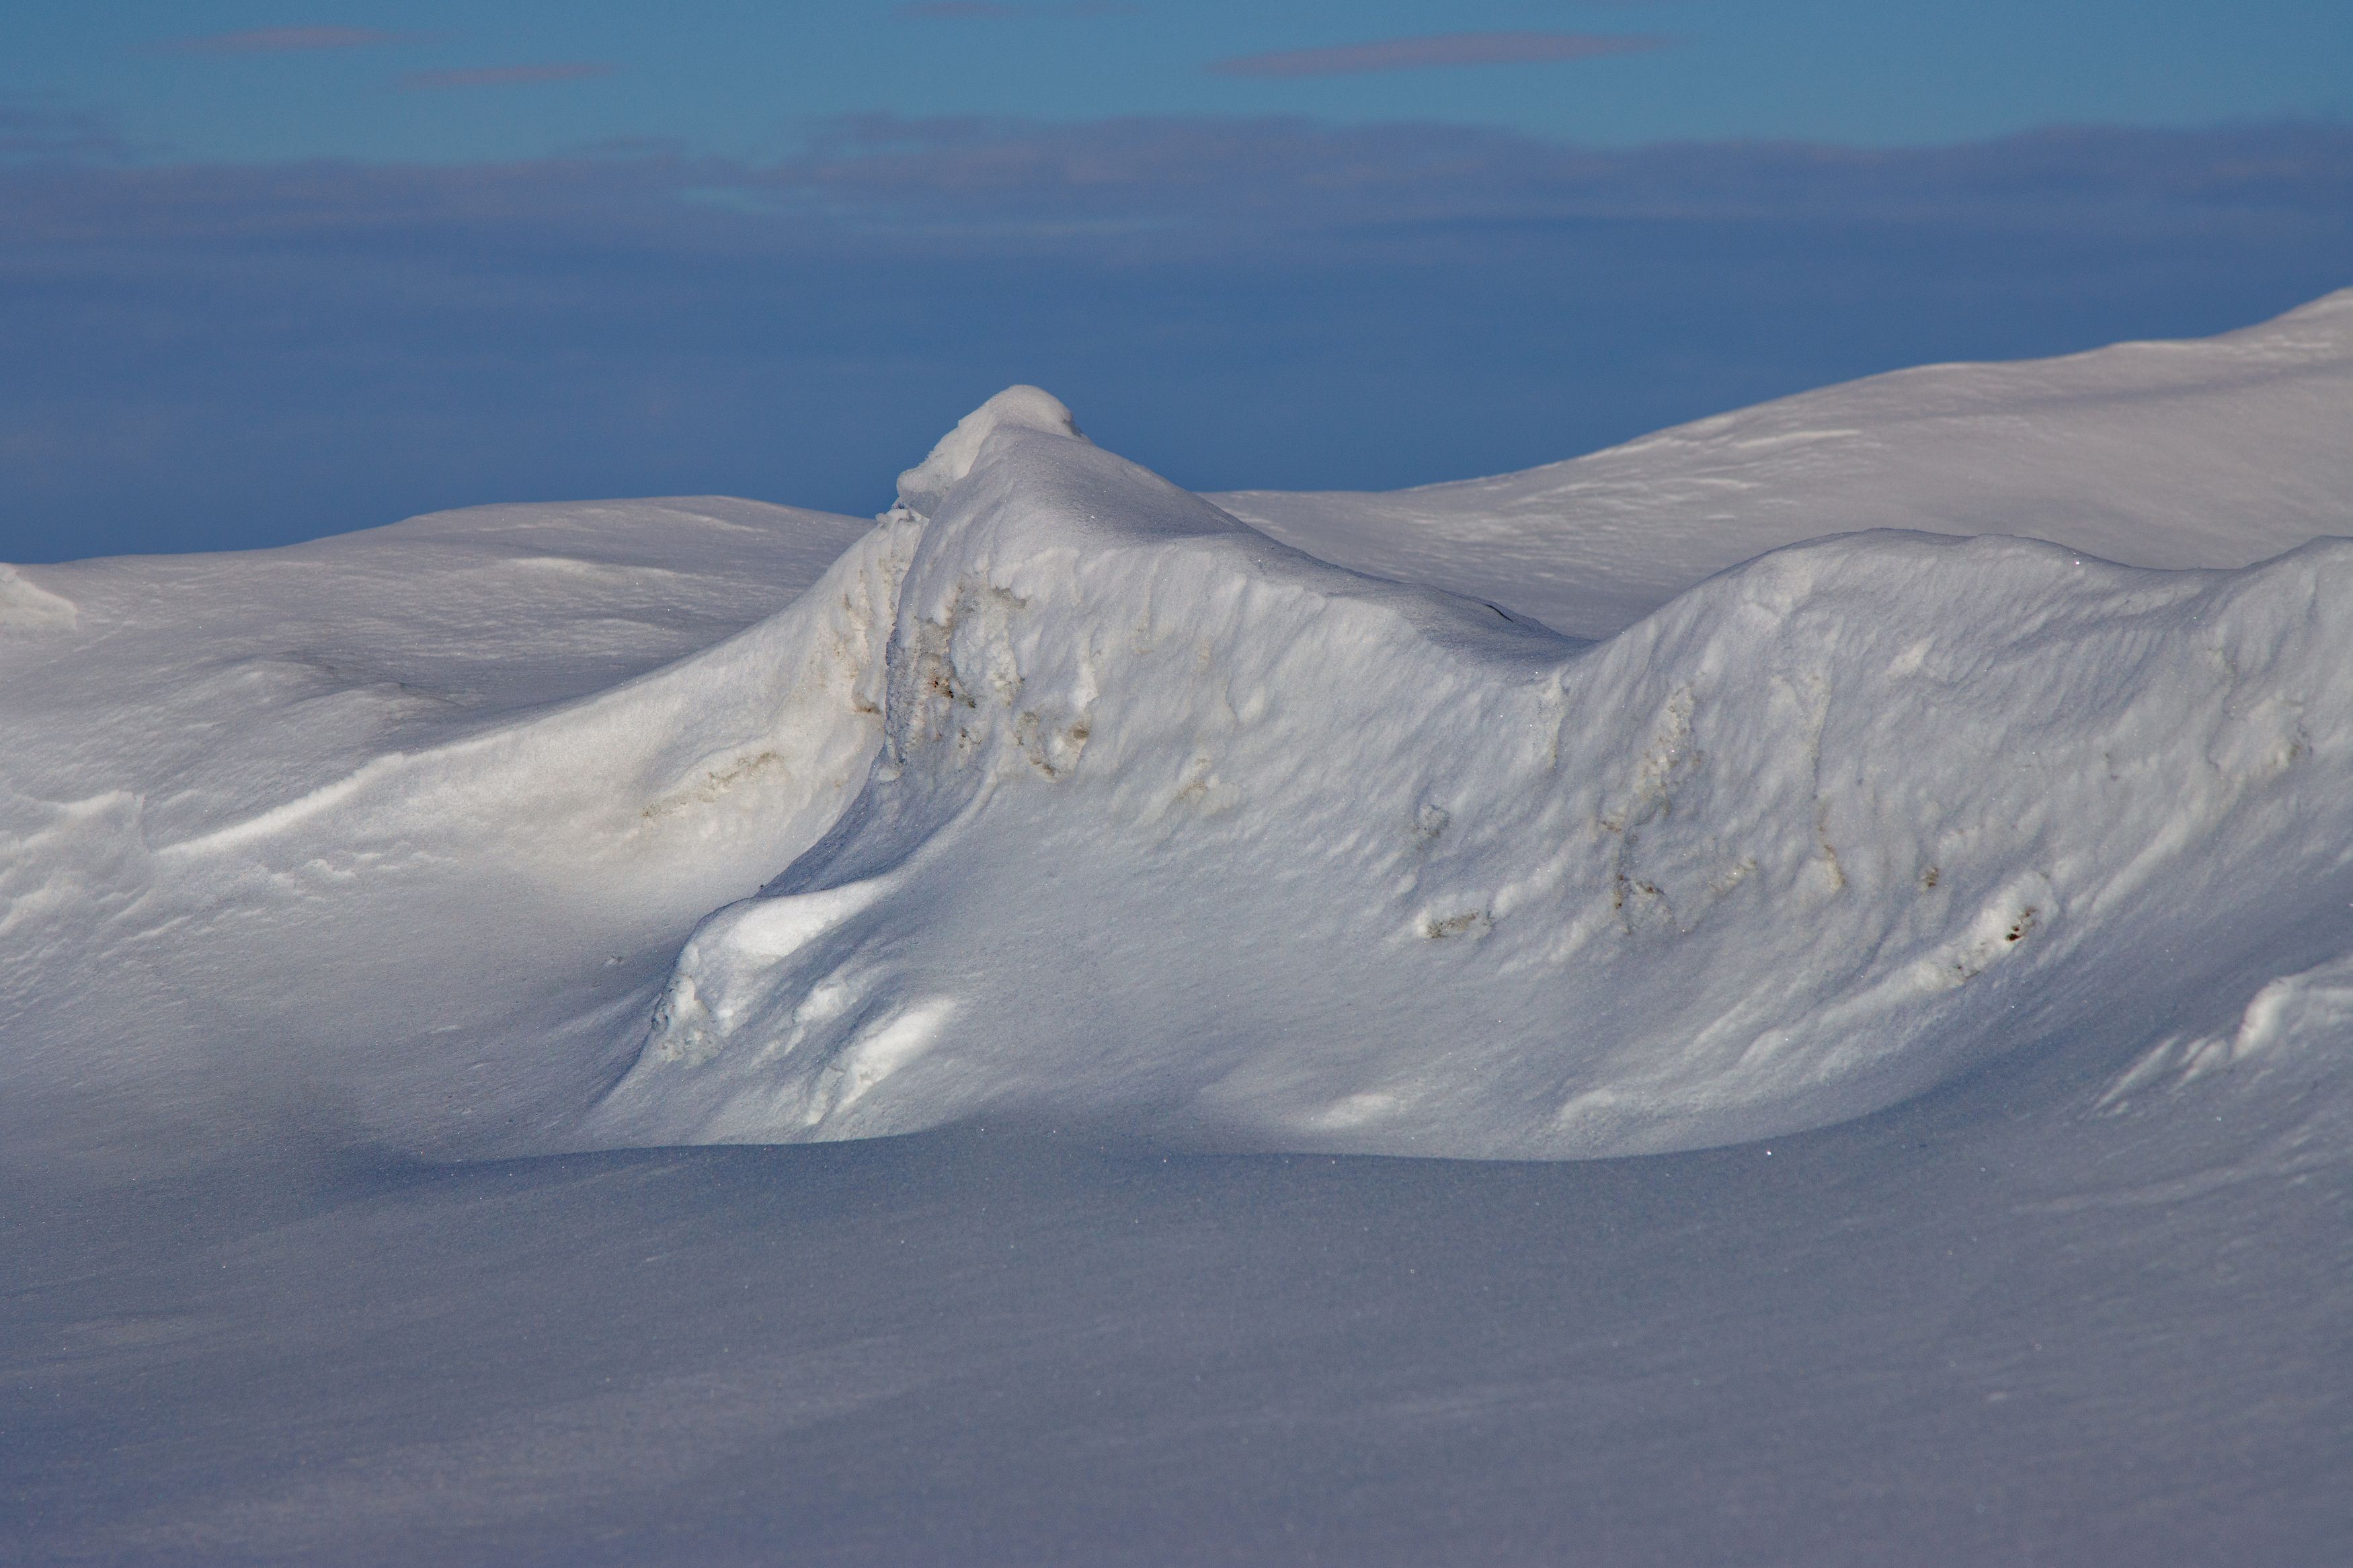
(2218, 452)
(25, 607)
(1171, 828)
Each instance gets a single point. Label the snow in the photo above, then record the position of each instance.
(27, 608)
(2219, 452)
(1913, 817)
(925, 486)
(1412, 875)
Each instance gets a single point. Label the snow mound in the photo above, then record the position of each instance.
(1171, 828)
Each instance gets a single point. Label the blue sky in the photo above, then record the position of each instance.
(448, 81)
(274, 270)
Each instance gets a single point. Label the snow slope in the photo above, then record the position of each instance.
(360, 813)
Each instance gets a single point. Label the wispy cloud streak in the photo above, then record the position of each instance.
(34, 136)
(504, 76)
(1187, 184)
(1436, 52)
(241, 353)
(287, 41)
(996, 11)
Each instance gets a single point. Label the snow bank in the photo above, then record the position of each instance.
(1173, 827)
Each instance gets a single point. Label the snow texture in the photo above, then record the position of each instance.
(1826, 831)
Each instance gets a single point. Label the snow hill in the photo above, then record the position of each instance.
(1062, 795)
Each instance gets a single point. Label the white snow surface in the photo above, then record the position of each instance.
(1917, 817)
(923, 487)
(1170, 819)
(1067, 795)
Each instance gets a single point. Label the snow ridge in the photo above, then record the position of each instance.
(2218, 452)
(1172, 827)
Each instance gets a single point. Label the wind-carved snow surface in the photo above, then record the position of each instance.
(1072, 798)
(1074, 816)
(1174, 827)
(473, 899)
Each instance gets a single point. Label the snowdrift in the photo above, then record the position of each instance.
(390, 829)
(1064, 796)
(1133, 849)
(1173, 827)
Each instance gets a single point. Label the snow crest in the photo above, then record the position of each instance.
(923, 487)
(1171, 828)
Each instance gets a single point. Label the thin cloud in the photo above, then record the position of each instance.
(994, 11)
(29, 135)
(287, 41)
(505, 76)
(1151, 188)
(361, 340)
(1435, 52)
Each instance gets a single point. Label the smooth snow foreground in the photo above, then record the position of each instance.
(1068, 798)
